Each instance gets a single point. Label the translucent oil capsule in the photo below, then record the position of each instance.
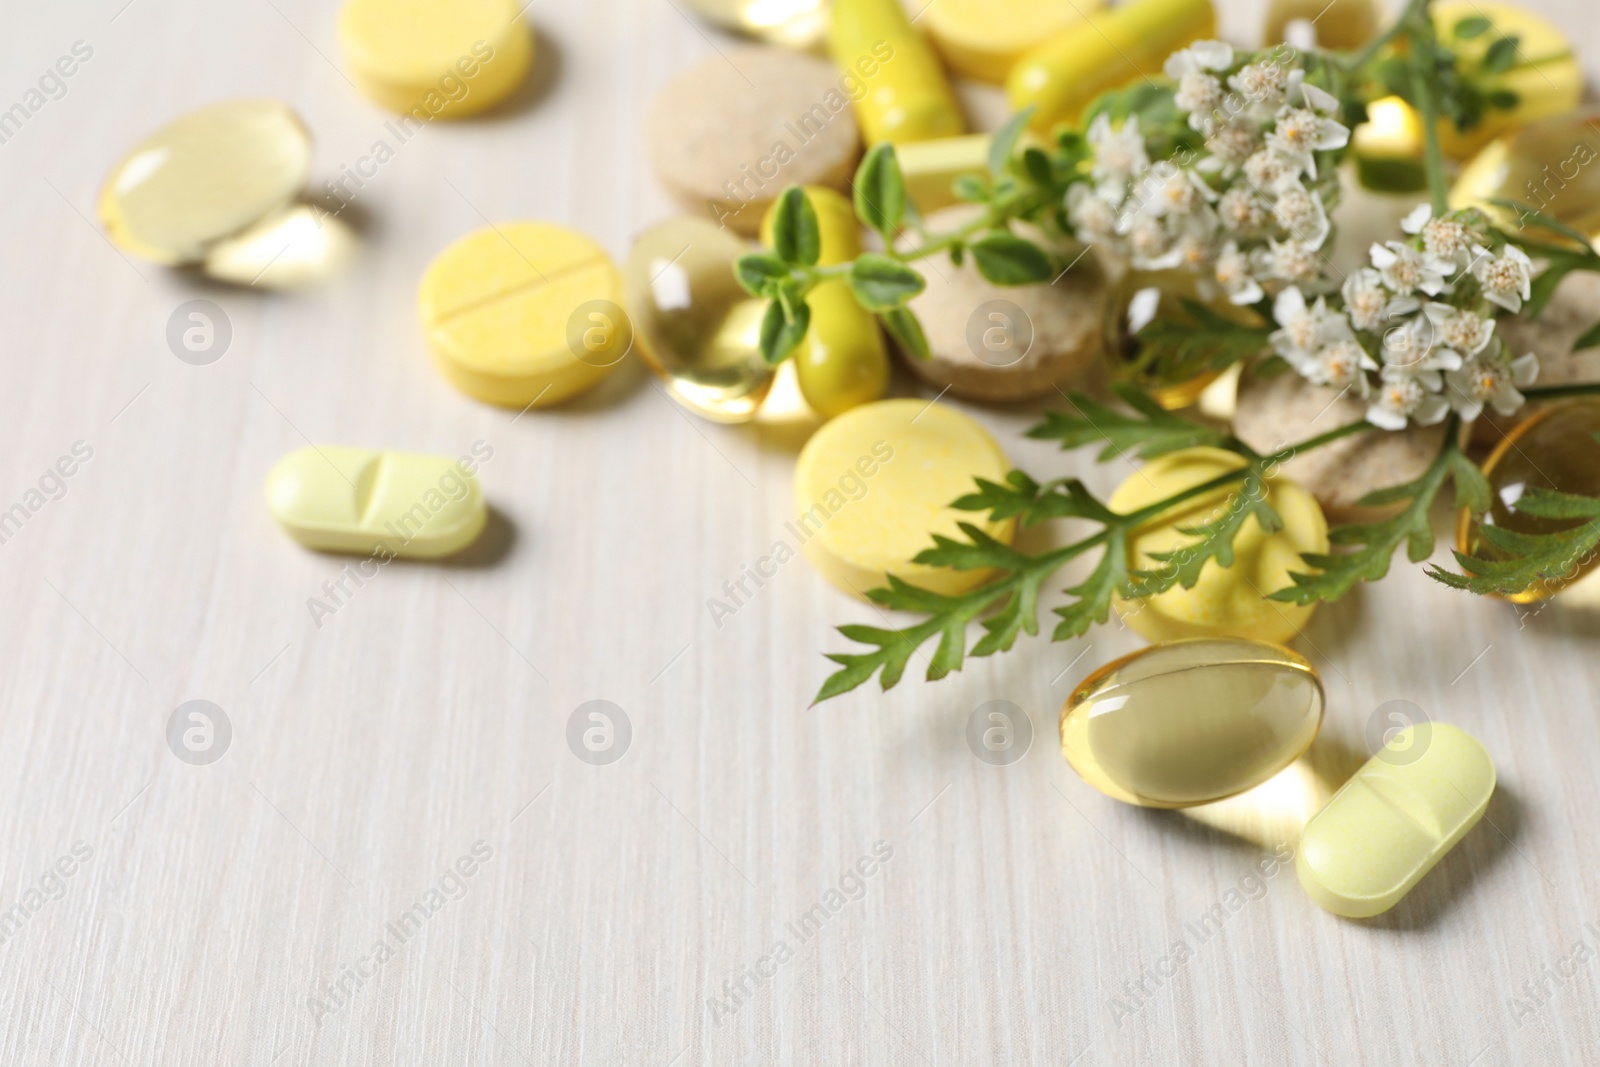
(1554, 449)
(793, 23)
(1142, 298)
(209, 175)
(1191, 722)
(694, 324)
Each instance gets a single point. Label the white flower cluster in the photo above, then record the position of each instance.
(1249, 215)
(1247, 211)
(1433, 357)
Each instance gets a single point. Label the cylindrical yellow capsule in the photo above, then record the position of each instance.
(1109, 49)
(1191, 722)
(930, 168)
(907, 96)
(842, 363)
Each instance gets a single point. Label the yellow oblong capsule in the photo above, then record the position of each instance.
(906, 96)
(842, 363)
(366, 502)
(1191, 722)
(1108, 49)
(1386, 827)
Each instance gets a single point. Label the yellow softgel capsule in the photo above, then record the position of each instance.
(209, 175)
(1386, 827)
(907, 98)
(873, 486)
(1111, 48)
(1191, 722)
(373, 503)
(983, 39)
(524, 313)
(842, 363)
(1226, 601)
(442, 58)
(792, 23)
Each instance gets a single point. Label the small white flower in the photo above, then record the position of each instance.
(1231, 144)
(1416, 218)
(1241, 211)
(1093, 218)
(1400, 397)
(1119, 155)
(1264, 85)
(1198, 57)
(1232, 272)
(1451, 241)
(1302, 214)
(1340, 365)
(1165, 190)
(1149, 242)
(1318, 100)
(1200, 94)
(1369, 303)
(1304, 328)
(1292, 261)
(1493, 383)
(1405, 270)
(1269, 171)
(1459, 329)
(1506, 279)
(1301, 132)
(1413, 348)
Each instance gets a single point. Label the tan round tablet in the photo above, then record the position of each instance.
(1000, 343)
(1277, 411)
(727, 136)
(1573, 309)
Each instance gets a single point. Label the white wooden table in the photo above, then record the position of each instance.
(1019, 917)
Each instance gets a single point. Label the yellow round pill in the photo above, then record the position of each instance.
(206, 176)
(443, 58)
(524, 314)
(873, 485)
(983, 39)
(1227, 601)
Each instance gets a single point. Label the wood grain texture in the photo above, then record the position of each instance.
(1018, 909)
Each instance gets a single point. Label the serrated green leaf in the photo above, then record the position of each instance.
(1501, 56)
(880, 191)
(1037, 166)
(1149, 432)
(882, 283)
(796, 234)
(782, 330)
(1006, 259)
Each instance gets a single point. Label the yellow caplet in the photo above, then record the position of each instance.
(874, 485)
(1227, 601)
(372, 503)
(1405, 808)
(931, 168)
(1111, 48)
(842, 363)
(906, 94)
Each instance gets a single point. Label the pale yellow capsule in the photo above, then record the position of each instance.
(1108, 49)
(1191, 722)
(436, 58)
(842, 363)
(206, 176)
(372, 503)
(983, 39)
(1388, 826)
(907, 97)
(931, 168)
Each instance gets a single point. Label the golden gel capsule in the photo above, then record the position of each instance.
(1191, 722)
(842, 363)
(695, 325)
(1556, 450)
(1405, 808)
(209, 175)
(1111, 48)
(372, 503)
(1545, 165)
(907, 96)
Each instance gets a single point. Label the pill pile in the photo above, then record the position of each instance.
(760, 146)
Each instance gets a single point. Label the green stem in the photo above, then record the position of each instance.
(1380, 42)
(1557, 392)
(1422, 82)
